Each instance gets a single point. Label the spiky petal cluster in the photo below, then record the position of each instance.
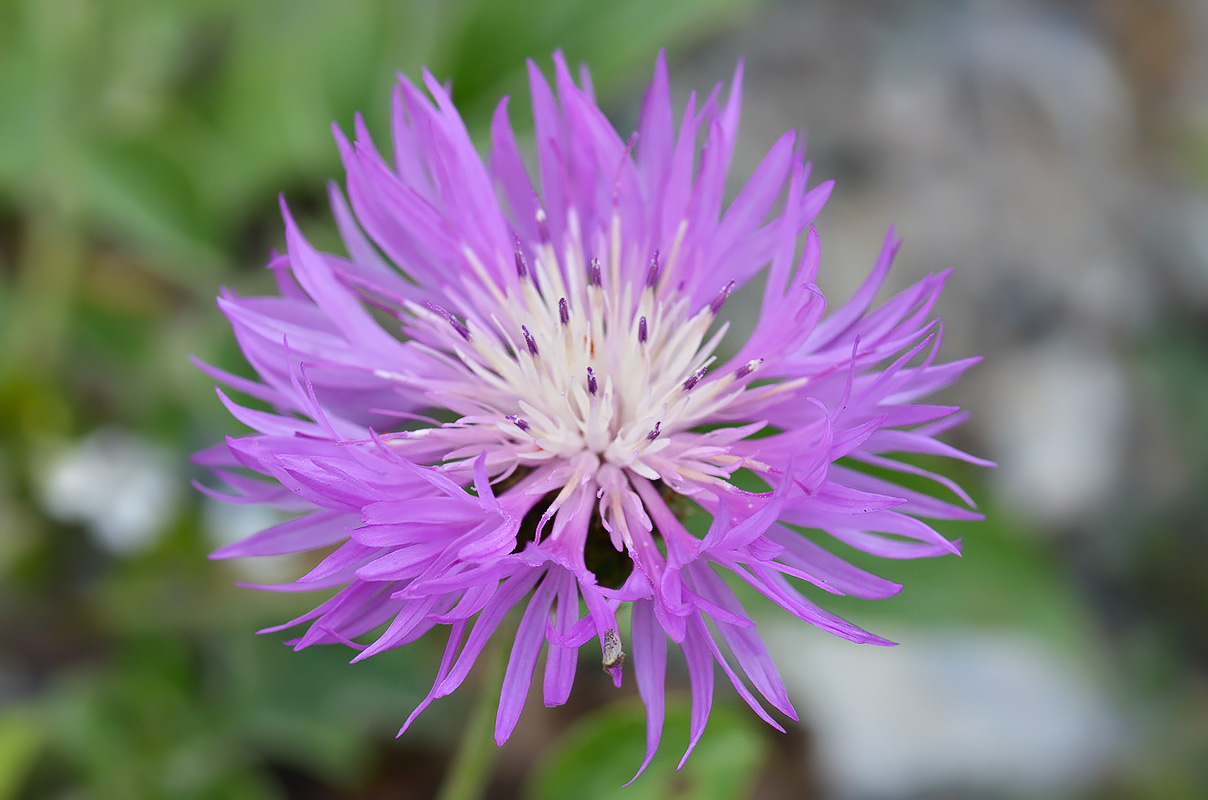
(508, 394)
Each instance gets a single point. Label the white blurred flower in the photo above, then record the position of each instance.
(122, 487)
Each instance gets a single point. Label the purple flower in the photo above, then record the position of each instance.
(508, 394)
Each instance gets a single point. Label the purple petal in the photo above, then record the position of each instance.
(650, 669)
(529, 638)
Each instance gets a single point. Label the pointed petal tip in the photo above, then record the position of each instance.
(740, 68)
(414, 716)
(641, 769)
(224, 553)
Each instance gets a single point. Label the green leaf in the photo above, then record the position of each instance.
(603, 751)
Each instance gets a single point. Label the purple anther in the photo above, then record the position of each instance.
(694, 379)
(716, 305)
(564, 311)
(457, 324)
(517, 421)
(642, 330)
(528, 339)
(592, 385)
(594, 273)
(654, 434)
(521, 264)
(652, 274)
(747, 368)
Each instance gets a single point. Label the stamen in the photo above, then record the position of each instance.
(457, 324)
(652, 274)
(592, 385)
(518, 422)
(563, 311)
(528, 339)
(521, 266)
(716, 305)
(654, 434)
(694, 379)
(642, 330)
(543, 226)
(747, 368)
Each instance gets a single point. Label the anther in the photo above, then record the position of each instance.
(654, 433)
(747, 368)
(718, 301)
(642, 330)
(521, 266)
(594, 274)
(563, 311)
(652, 274)
(457, 324)
(694, 379)
(528, 339)
(592, 385)
(517, 421)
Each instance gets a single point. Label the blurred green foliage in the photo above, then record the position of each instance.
(141, 152)
(169, 125)
(602, 750)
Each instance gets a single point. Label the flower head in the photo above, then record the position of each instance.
(508, 394)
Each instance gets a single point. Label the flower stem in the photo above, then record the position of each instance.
(471, 768)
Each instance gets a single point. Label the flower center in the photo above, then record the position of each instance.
(575, 361)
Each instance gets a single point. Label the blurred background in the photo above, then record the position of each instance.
(1054, 153)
